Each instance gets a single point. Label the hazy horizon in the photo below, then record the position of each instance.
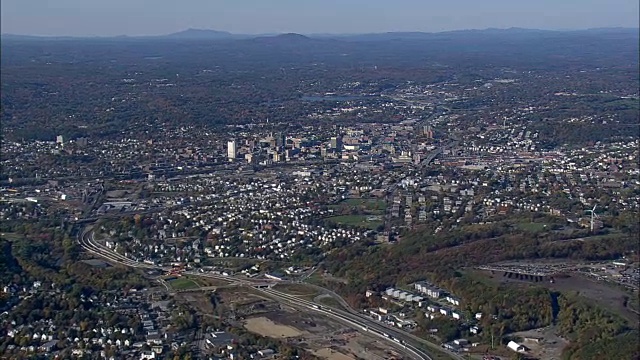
(84, 18)
(311, 34)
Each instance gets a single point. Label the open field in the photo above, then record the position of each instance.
(534, 227)
(369, 206)
(327, 300)
(183, 283)
(237, 295)
(203, 281)
(356, 220)
(266, 327)
(366, 213)
(297, 289)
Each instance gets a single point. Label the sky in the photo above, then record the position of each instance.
(154, 17)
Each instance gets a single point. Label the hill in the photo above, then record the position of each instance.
(200, 34)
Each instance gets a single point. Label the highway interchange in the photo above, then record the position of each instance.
(406, 343)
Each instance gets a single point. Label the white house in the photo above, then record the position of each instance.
(516, 347)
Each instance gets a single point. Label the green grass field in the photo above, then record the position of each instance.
(183, 284)
(534, 227)
(371, 204)
(368, 206)
(329, 301)
(356, 220)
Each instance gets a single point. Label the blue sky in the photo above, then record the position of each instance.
(147, 17)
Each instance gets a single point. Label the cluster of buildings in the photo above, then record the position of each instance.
(265, 190)
(148, 329)
(435, 301)
(257, 217)
(145, 328)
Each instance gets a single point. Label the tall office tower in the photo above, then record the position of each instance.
(232, 150)
(281, 141)
(336, 143)
(427, 131)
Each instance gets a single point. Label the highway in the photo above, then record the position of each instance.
(87, 241)
(407, 343)
(368, 325)
(417, 339)
(349, 315)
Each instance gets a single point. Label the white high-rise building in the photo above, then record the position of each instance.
(232, 150)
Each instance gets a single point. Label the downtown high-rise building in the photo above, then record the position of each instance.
(232, 150)
(336, 143)
(427, 131)
(281, 141)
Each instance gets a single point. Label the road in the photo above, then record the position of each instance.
(349, 309)
(87, 241)
(368, 326)
(405, 342)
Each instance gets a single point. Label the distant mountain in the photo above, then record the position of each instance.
(475, 33)
(200, 34)
(34, 37)
(288, 38)
(291, 41)
(189, 34)
(294, 38)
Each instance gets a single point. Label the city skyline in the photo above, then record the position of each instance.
(142, 17)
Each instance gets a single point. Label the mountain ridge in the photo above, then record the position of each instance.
(210, 34)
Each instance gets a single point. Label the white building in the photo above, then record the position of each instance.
(232, 150)
(516, 347)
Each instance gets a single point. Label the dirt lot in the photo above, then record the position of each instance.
(319, 335)
(549, 345)
(266, 327)
(331, 354)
